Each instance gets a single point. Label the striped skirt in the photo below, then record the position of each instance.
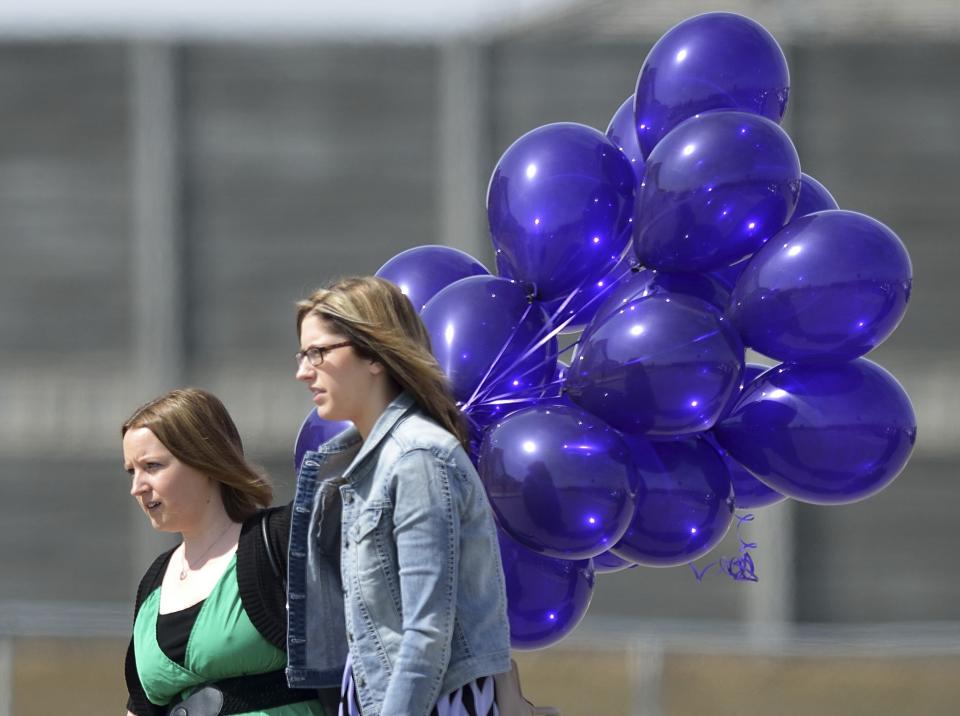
(474, 699)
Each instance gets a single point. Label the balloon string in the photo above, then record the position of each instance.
(503, 349)
(473, 421)
(484, 398)
(566, 300)
(583, 284)
(744, 545)
(519, 396)
(511, 400)
(487, 399)
(604, 290)
(551, 332)
(487, 384)
(741, 568)
(522, 396)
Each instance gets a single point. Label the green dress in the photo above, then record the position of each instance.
(223, 643)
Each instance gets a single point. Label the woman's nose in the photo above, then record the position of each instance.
(137, 485)
(304, 371)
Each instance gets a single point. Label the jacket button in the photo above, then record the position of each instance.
(179, 711)
(360, 682)
(350, 637)
(348, 498)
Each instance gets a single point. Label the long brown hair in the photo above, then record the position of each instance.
(197, 429)
(383, 326)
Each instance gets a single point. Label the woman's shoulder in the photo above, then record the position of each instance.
(266, 530)
(273, 517)
(421, 455)
(418, 432)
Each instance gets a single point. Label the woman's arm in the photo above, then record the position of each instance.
(426, 529)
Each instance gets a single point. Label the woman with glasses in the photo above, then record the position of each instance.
(423, 585)
(210, 627)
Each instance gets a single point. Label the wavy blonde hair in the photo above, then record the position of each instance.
(383, 326)
(197, 430)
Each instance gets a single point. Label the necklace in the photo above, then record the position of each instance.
(185, 568)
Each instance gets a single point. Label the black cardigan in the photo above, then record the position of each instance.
(262, 593)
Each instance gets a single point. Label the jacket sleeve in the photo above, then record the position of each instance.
(426, 529)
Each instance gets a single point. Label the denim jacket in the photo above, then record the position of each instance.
(425, 601)
(316, 634)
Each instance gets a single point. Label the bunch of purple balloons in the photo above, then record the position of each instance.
(683, 234)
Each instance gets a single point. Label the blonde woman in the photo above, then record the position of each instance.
(423, 584)
(209, 633)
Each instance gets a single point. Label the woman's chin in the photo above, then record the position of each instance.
(326, 411)
(158, 523)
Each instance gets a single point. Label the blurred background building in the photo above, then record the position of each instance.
(173, 177)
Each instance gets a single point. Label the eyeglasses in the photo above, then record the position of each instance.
(316, 354)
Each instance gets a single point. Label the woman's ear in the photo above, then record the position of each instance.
(376, 368)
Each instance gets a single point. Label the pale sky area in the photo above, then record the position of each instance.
(414, 19)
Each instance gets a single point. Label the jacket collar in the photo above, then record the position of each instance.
(392, 414)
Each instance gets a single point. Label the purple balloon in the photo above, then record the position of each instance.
(751, 371)
(546, 597)
(578, 310)
(717, 60)
(728, 275)
(480, 328)
(661, 365)
(608, 562)
(748, 492)
(647, 282)
(826, 435)
(314, 432)
(560, 481)
(422, 271)
(481, 416)
(813, 197)
(559, 204)
(716, 188)
(830, 287)
(622, 131)
(688, 505)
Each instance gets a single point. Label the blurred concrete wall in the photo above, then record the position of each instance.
(299, 162)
